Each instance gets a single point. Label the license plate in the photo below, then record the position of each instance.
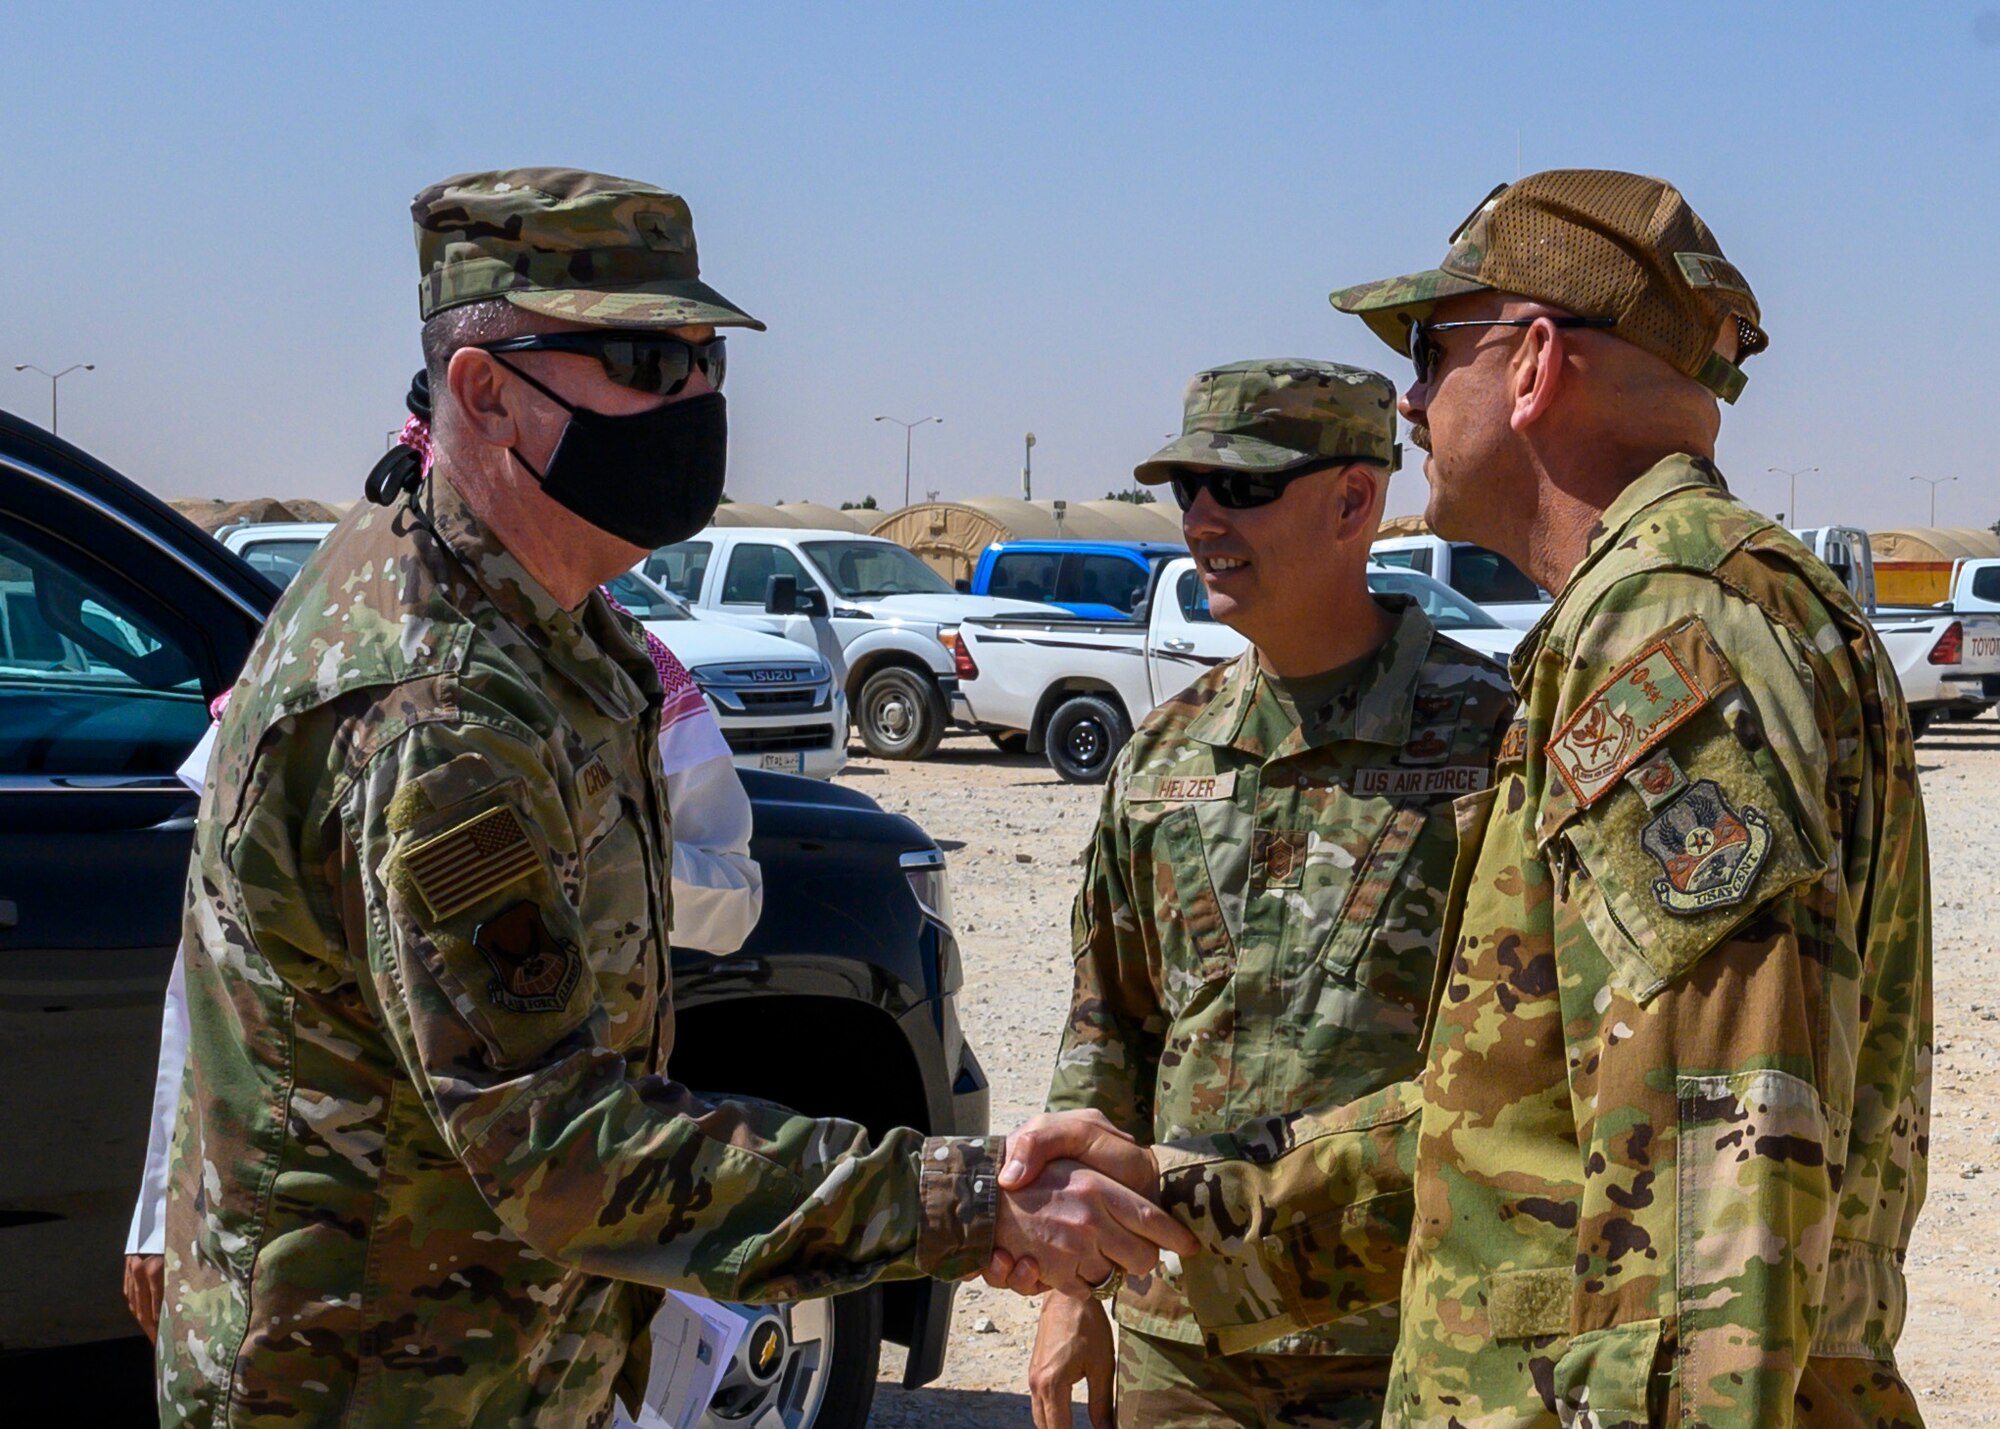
(793, 762)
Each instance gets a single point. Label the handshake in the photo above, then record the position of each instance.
(1077, 1209)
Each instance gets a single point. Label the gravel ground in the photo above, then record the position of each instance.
(1012, 831)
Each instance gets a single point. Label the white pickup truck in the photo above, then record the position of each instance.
(1947, 657)
(777, 701)
(886, 613)
(1073, 689)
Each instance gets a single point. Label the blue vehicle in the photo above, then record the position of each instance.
(1099, 580)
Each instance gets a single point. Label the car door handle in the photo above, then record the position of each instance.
(1179, 647)
(10, 913)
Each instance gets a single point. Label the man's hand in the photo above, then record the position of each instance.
(1073, 1342)
(145, 1288)
(1073, 1227)
(1088, 1137)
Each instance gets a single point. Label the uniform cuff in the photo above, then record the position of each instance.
(958, 1188)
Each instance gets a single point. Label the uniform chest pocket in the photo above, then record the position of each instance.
(1199, 872)
(619, 900)
(1350, 880)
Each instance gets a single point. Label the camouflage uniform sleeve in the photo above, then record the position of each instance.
(1303, 1218)
(1708, 966)
(1110, 1054)
(458, 872)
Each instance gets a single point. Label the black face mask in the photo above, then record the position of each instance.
(651, 479)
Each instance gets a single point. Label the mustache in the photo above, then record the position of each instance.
(1420, 435)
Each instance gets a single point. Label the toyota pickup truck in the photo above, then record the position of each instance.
(1074, 689)
(125, 621)
(886, 610)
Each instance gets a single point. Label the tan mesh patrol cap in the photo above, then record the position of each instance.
(1601, 244)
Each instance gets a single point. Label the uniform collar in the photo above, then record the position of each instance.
(1376, 709)
(1675, 473)
(1679, 472)
(592, 645)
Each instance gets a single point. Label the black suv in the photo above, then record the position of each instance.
(119, 620)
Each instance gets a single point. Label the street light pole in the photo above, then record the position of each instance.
(1934, 482)
(1793, 500)
(908, 427)
(54, 378)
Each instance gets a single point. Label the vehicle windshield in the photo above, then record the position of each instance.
(644, 599)
(1447, 609)
(858, 570)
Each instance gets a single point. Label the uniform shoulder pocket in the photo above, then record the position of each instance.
(1695, 840)
(471, 891)
(1667, 818)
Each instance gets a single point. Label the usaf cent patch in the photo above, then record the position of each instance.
(462, 865)
(533, 969)
(1708, 850)
(1646, 697)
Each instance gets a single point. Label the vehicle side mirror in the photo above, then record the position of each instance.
(962, 586)
(782, 596)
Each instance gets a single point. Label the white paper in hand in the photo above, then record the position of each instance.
(694, 1341)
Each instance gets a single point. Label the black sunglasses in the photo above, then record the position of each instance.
(1424, 353)
(1242, 490)
(646, 362)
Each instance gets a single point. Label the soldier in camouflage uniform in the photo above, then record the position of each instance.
(428, 1169)
(1257, 927)
(1669, 1144)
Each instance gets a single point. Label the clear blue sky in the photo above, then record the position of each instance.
(1017, 217)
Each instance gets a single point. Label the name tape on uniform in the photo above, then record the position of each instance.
(1444, 779)
(1180, 788)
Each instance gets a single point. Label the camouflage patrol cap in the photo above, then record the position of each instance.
(1601, 244)
(1278, 413)
(567, 244)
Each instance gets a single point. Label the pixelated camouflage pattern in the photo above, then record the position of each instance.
(1277, 413)
(568, 244)
(402, 1193)
(1661, 1176)
(1168, 1384)
(1270, 942)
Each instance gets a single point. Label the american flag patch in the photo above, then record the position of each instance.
(462, 865)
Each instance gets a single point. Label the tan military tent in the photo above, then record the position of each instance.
(1403, 526)
(949, 535)
(1913, 563)
(793, 515)
(1933, 543)
(212, 515)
